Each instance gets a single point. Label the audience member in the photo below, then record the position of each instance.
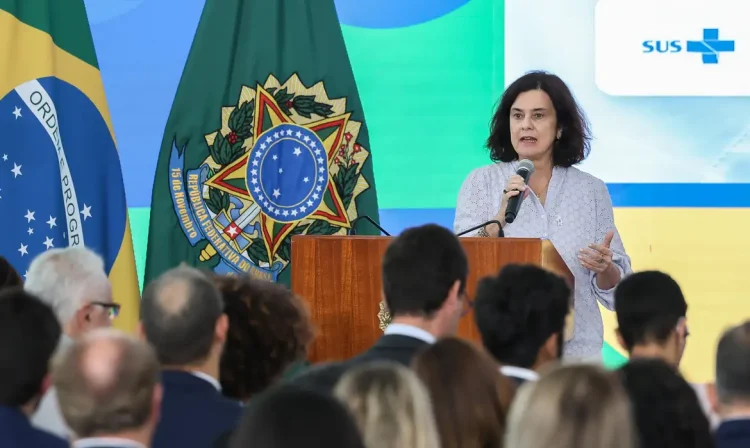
(390, 405)
(651, 317)
(666, 409)
(470, 398)
(269, 330)
(109, 391)
(424, 280)
(29, 334)
(576, 406)
(74, 283)
(9, 278)
(182, 316)
(521, 315)
(291, 417)
(651, 312)
(730, 396)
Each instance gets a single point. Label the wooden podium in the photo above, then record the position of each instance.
(339, 277)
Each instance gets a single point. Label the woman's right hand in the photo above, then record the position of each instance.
(513, 187)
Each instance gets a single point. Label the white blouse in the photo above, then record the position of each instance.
(577, 212)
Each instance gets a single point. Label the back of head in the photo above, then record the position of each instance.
(517, 311)
(106, 383)
(578, 406)
(291, 417)
(269, 329)
(469, 396)
(67, 278)
(390, 404)
(648, 306)
(29, 334)
(9, 278)
(420, 267)
(733, 366)
(179, 311)
(666, 408)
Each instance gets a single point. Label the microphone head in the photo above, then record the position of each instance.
(527, 165)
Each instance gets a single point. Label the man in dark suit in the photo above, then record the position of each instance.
(108, 388)
(29, 333)
(730, 396)
(521, 316)
(182, 316)
(424, 279)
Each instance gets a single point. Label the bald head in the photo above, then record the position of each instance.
(179, 311)
(106, 383)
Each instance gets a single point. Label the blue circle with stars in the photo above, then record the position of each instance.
(287, 172)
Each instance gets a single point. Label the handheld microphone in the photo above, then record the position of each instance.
(493, 221)
(525, 170)
(352, 230)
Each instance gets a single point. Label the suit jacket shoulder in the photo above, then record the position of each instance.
(194, 413)
(16, 431)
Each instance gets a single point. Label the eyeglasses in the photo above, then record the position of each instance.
(112, 308)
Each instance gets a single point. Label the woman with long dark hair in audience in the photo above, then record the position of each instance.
(390, 405)
(666, 408)
(578, 406)
(470, 397)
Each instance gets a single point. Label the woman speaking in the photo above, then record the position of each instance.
(538, 119)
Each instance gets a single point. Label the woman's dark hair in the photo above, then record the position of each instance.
(470, 396)
(269, 329)
(665, 407)
(288, 416)
(9, 278)
(572, 147)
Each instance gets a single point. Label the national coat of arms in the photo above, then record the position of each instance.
(285, 162)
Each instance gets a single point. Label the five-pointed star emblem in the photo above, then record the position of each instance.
(268, 111)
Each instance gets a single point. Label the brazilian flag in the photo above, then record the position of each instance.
(266, 139)
(60, 178)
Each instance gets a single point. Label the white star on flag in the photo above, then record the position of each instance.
(303, 209)
(294, 212)
(16, 170)
(257, 189)
(298, 134)
(306, 180)
(322, 170)
(5, 157)
(30, 231)
(255, 163)
(321, 178)
(297, 151)
(320, 160)
(29, 216)
(312, 144)
(254, 172)
(288, 132)
(276, 135)
(276, 192)
(263, 146)
(48, 242)
(23, 249)
(281, 170)
(318, 188)
(86, 212)
(317, 151)
(309, 203)
(285, 213)
(275, 157)
(232, 230)
(315, 196)
(306, 139)
(17, 112)
(52, 222)
(269, 140)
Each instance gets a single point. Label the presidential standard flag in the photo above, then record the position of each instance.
(266, 140)
(60, 178)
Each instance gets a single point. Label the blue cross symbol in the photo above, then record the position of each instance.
(710, 46)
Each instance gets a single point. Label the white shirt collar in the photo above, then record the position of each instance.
(411, 331)
(519, 372)
(106, 441)
(206, 377)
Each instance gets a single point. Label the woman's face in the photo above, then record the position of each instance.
(533, 125)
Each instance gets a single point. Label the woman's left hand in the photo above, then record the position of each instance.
(598, 258)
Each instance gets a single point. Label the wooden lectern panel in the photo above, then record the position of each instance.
(339, 278)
